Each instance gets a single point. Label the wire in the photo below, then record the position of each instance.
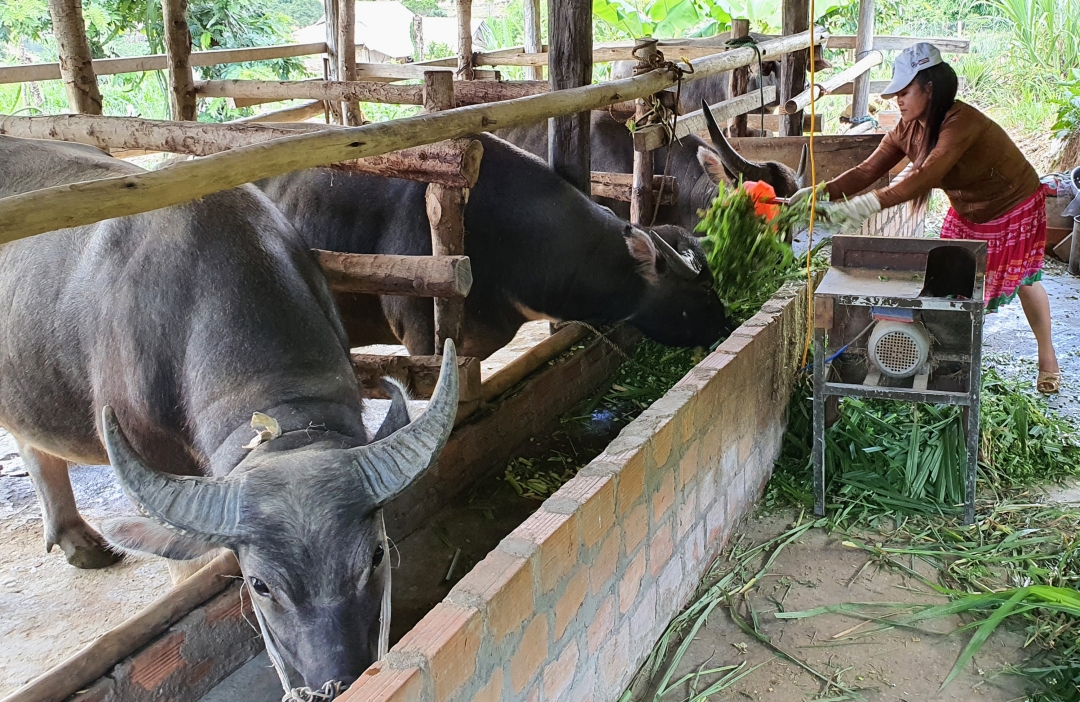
(813, 198)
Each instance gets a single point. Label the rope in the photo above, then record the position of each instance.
(753, 44)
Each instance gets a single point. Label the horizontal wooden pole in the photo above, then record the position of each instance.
(99, 656)
(76, 204)
(465, 92)
(945, 45)
(384, 274)
(525, 364)
(389, 72)
(694, 122)
(419, 374)
(618, 186)
(288, 114)
(158, 62)
(454, 163)
(846, 76)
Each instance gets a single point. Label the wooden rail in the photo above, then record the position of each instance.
(694, 122)
(384, 274)
(825, 87)
(77, 204)
(466, 92)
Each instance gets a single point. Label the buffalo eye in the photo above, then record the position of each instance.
(258, 587)
(376, 557)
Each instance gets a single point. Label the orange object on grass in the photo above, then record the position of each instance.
(760, 191)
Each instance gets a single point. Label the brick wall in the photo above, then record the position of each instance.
(571, 602)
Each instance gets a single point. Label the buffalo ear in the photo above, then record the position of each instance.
(643, 251)
(714, 167)
(143, 535)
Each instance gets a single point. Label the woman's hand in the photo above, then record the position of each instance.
(803, 193)
(850, 214)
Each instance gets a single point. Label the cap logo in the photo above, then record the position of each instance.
(925, 60)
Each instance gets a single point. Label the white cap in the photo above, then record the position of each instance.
(910, 61)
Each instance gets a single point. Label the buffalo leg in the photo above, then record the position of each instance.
(64, 526)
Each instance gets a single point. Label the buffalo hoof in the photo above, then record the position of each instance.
(85, 548)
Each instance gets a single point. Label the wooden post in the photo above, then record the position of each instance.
(446, 215)
(642, 198)
(864, 43)
(796, 18)
(532, 43)
(740, 78)
(346, 57)
(182, 105)
(570, 66)
(76, 63)
(465, 53)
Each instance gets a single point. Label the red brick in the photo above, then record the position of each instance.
(607, 559)
(602, 622)
(556, 534)
(559, 674)
(229, 605)
(735, 343)
(492, 692)
(661, 441)
(378, 684)
(631, 483)
(687, 512)
(689, 464)
(664, 497)
(597, 514)
(631, 582)
(568, 605)
(614, 656)
(660, 549)
(153, 666)
(503, 582)
(449, 637)
(635, 527)
(531, 652)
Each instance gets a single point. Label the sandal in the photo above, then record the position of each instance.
(1048, 383)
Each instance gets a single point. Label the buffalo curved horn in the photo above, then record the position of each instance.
(804, 159)
(686, 267)
(732, 160)
(388, 466)
(197, 506)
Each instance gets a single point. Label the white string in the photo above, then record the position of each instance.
(384, 613)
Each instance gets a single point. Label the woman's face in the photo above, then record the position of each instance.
(914, 101)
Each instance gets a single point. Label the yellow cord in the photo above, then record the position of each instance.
(813, 199)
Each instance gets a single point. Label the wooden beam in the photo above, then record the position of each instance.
(469, 93)
(526, 364)
(570, 66)
(391, 72)
(346, 58)
(532, 40)
(419, 374)
(740, 77)
(619, 186)
(464, 30)
(886, 43)
(864, 45)
(384, 274)
(299, 113)
(76, 65)
(793, 67)
(182, 103)
(694, 122)
(76, 204)
(859, 69)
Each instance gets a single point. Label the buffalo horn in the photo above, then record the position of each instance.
(800, 175)
(686, 267)
(389, 465)
(198, 506)
(733, 162)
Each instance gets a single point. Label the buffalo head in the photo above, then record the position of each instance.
(679, 307)
(301, 512)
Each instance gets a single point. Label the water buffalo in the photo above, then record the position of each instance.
(697, 166)
(538, 248)
(148, 342)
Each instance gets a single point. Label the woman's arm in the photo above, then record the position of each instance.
(885, 156)
(955, 139)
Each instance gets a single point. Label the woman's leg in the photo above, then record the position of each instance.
(1037, 308)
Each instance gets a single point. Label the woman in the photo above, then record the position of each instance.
(995, 193)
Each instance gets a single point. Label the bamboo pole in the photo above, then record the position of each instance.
(182, 105)
(856, 70)
(864, 42)
(533, 43)
(77, 204)
(465, 61)
(98, 657)
(694, 122)
(76, 64)
(411, 276)
(740, 78)
(469, 93)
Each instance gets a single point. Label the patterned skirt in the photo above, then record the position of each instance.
(1016, 245)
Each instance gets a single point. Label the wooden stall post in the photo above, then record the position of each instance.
(796, 18)
(446, 215)
(864, 43)
(341, 53)
(465, 52)
(642, 200)
(532, 42)
(76, 63)
(570, 58)
(740, 78)
(182, 105)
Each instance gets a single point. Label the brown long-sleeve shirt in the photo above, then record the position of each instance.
(974, 162)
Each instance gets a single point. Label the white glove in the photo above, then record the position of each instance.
(849, 215)
(803, 193)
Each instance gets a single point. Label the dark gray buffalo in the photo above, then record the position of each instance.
(148, 342)
(697, 165)
(538, 248)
